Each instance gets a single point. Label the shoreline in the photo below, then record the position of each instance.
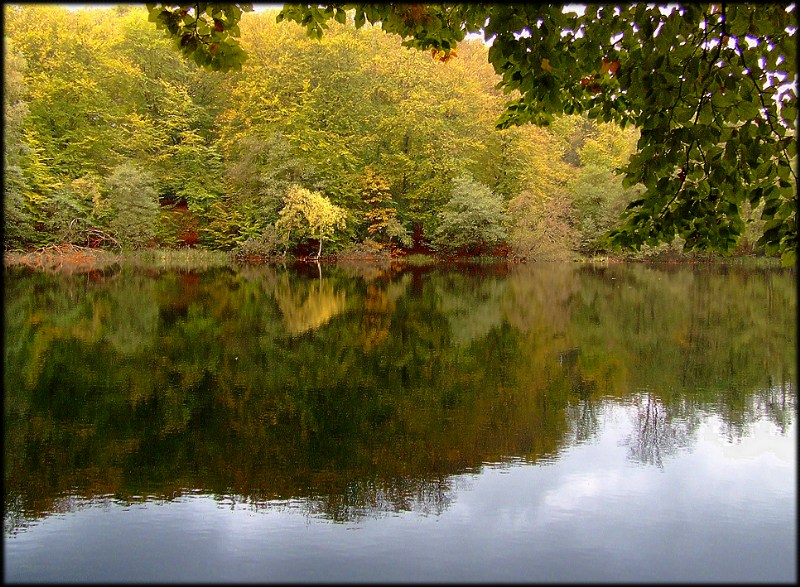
(77, 259)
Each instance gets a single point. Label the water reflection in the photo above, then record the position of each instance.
(721, 512)
(359, 393)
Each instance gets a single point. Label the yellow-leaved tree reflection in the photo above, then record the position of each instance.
(307, 305)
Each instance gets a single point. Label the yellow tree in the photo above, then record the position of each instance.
(309, 214)
(540, 203)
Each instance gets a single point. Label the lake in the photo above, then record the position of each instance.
(346, 423)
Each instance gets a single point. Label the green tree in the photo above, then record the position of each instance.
(598, 198)
(430, 120)
(708, 86)
(81, 95)
(355, 99)
(17, 223)
(712, 88)
(135, 205)
(473, 220)
(309, 214)
(66, 216)
(78, 82)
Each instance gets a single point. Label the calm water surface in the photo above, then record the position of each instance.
(485, 423)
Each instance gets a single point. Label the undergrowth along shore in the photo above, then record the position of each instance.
(77, 259)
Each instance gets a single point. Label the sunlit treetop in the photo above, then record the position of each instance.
(711, 87)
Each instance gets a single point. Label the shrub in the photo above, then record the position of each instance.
(369, 250)
(266, 246)
(473, 218)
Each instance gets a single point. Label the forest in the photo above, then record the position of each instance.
(350, 145)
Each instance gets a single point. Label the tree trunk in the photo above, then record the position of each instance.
(319, 252)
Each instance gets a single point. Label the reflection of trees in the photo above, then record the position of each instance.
(690, 335)
(583, 417)
(131, 325)
(541, 298)
(14, 514)
(307, 305)
(472, 305)
(378, 307)
(379, 409)
(662, 429)
(373, 497)
(219, 398)
(777, 404)
(366, 270)
(657, 433)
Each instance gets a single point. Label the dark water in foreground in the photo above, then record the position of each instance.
(537, 423)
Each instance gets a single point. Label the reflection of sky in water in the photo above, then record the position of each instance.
(717, 511)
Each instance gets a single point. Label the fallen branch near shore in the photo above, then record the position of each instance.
(62, 258)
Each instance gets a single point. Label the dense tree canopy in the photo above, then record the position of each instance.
(384, 131)
(711, 87)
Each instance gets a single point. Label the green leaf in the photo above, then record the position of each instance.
(683, 114)
(721, 99)
(747, 110)
(359, 18)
